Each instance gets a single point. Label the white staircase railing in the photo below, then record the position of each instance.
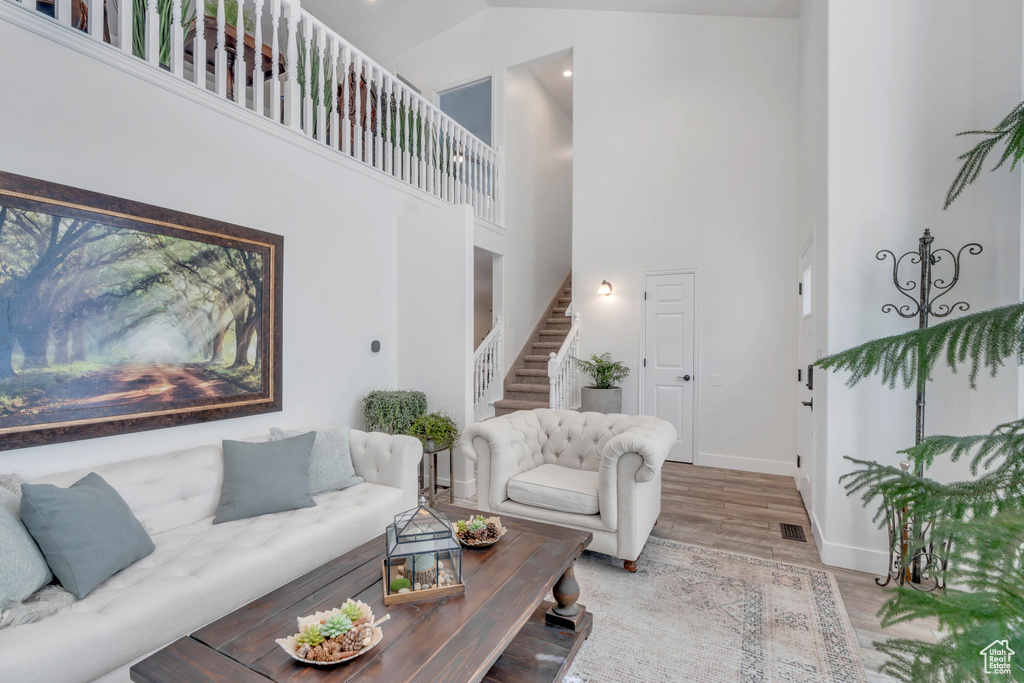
(308, 79)
(562, 374)
(488, 371)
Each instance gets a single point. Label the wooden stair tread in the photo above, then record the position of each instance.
(528, 388)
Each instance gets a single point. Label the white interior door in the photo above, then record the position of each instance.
(668, 366)
(806, 376)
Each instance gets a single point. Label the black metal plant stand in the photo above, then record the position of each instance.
(924, 569)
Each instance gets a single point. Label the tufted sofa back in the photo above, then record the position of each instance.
(164, 491)
(568, 438)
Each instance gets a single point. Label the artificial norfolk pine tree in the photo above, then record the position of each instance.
(984, 516)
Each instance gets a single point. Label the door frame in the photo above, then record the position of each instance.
(696, 347)
(803, 476)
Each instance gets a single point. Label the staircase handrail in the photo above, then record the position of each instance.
(562, 375)
(488, 367)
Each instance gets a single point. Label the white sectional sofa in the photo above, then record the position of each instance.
(199, 571)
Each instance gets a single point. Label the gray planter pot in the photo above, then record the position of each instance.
(601, 400)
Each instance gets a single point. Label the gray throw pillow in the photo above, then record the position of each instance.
(330, 463)
(260, 478)
(23, 568)
(86, 532)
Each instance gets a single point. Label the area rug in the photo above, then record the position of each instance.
(697, 614)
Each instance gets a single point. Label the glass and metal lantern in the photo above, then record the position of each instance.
(423, 558)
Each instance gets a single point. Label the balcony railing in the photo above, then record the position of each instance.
(297, 72)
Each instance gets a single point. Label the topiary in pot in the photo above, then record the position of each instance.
(603, 396)
(438, 431)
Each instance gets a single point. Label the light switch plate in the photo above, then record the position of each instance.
(716, 380)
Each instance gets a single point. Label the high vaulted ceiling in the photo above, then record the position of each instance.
(384, 29)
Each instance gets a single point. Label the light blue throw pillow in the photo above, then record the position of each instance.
(23, 568)
(87, 532)
(260, 478)
(330, 463)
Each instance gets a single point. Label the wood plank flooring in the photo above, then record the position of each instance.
(741, 512)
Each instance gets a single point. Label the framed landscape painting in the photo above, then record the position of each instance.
(117, 316)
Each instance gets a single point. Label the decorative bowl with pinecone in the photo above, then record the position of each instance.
(478, 532)
(335, 636)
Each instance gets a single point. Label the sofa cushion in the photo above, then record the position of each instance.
(198, 573)
(260, 478)
(557, 488)
(330, 462)
(23, 568)
(86, 532)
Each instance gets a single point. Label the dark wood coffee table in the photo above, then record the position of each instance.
(492, 633)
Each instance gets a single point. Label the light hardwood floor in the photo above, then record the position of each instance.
(741, 512)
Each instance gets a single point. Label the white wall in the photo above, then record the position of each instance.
(435, 317)
(538, 143)
(903, 79)
(71, 119)
(684, 156)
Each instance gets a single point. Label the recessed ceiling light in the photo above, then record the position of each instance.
(567, 73)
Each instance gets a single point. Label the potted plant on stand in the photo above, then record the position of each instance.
(439, 432)
(603, 396)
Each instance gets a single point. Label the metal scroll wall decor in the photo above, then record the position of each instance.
(913, 560)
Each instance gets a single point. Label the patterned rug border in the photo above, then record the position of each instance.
(843, 613)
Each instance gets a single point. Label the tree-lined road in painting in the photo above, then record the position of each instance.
(95, 316)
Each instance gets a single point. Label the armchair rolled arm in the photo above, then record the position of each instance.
(502, 449)
(628, 460)
(651, 441)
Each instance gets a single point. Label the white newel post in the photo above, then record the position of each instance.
(357, 92)
(293, 94)
(220, 60)
(275, 58)
(240, 55)
(124, 25)
(553, 381)
(63, 11)
(258, 81)
(177, 39)
(335, 125)
(307, 77)
(152, 33)
(96, 19)
(321, 84)
(346, 100)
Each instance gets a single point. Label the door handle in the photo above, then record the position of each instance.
(809, 404)
(683, 378)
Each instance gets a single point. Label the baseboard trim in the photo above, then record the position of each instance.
(865, 560)
(465, 489)
(734, 462)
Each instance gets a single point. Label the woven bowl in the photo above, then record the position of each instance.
(482, 544)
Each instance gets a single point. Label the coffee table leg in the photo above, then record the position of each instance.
(568, 613)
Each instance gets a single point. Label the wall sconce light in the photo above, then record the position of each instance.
(605, 288)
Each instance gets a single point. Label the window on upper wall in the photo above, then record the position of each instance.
(470, 106)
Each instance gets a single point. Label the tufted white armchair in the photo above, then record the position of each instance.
(589, 471)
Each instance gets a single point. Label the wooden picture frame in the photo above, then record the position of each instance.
(118, 316)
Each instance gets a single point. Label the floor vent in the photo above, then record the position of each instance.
(793, 532)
